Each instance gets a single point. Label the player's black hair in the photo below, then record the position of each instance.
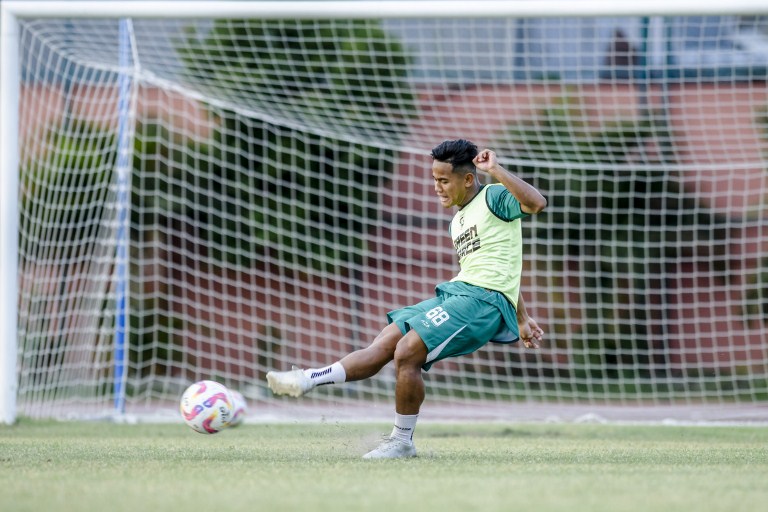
(459, 153)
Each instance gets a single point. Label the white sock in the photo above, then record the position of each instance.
(404, 426)
(333, 374)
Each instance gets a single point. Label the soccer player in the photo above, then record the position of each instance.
(482, 303)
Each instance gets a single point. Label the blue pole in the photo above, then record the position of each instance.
(122, 238)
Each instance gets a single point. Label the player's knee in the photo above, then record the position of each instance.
(386, 341)
(410, 351)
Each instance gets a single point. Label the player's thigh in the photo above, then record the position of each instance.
(387, 339)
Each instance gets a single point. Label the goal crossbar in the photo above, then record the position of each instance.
(366, 9)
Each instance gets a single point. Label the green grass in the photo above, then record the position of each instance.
(518, 467)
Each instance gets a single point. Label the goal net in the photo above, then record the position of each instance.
(215, 197)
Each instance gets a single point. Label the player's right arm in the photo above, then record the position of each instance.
(530, 199)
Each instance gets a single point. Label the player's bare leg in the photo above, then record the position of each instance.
(358, 365)
(367, 362)
(410, 355)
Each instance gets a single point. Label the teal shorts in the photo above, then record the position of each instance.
(450, 325)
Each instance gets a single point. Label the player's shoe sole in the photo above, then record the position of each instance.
(392, 448)
(291, 383)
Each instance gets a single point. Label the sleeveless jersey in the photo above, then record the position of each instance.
(487, 236)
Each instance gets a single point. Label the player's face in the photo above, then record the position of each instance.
(452, 188)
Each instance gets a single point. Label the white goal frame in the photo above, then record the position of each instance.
(12, 10)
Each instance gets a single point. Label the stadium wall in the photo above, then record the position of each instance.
(695, 122)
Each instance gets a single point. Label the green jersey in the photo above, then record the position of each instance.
(487, 236)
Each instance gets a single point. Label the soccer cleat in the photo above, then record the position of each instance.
(392, 448)
(291, 383)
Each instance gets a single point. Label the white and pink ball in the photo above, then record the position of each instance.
(207, 407)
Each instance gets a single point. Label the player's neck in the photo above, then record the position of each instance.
(470, 196)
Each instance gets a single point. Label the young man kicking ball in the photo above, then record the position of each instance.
(482, 303)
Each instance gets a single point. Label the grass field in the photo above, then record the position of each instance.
(518, 467)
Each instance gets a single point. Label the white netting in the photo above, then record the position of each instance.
(281, 202)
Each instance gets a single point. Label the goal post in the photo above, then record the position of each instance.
(9, 184)
(213, 191)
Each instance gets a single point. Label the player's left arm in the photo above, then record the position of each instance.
(530, 332)
(530, 199)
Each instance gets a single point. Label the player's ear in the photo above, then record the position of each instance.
(469, 179)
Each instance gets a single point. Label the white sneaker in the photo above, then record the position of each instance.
(392, 448)
(292, 383)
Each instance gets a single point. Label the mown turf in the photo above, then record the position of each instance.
(107, 467)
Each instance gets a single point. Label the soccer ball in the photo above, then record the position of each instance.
(240, 408)
(207, 407)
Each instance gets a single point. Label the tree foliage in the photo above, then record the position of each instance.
(294, 165)
(616, 212)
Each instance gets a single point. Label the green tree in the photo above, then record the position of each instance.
(58, 186)
(63, 201)
(616, 210)
(349, 74)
